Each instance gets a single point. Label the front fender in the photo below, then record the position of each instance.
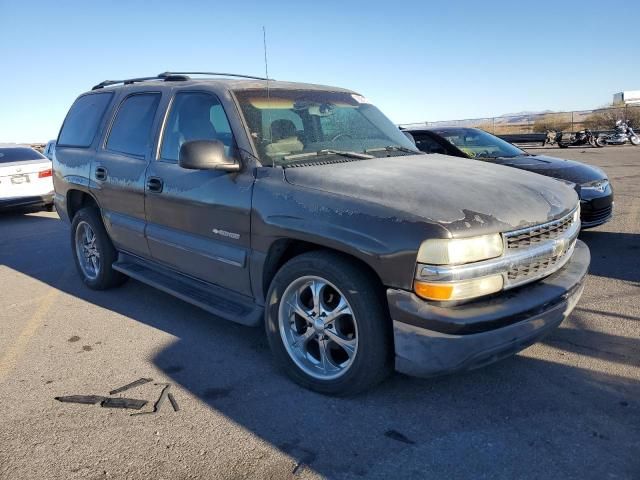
(384, 239)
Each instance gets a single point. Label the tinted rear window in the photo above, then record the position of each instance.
(19, 154)
(131, 130)
(82, 121)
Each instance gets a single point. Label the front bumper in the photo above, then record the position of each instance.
(31, 201)
(433, 340)
(596, 207)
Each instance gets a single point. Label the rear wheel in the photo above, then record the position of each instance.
(600, 142)
(327, 325)
(93, 251)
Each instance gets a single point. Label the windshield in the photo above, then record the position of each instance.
(294, 126)
(19, 154)
(478, 143)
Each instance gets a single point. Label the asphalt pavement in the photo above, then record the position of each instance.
(568, 407)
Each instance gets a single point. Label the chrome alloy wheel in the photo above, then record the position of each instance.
(87, 251)
(318, 327)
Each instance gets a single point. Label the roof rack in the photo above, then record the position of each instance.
(216, 74)
(172, 77)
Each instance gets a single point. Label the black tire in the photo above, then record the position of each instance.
(635, 141)
(562, 145)
(600, 142)
(374, 355)
(106, 277)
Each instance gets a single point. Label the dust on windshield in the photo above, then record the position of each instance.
(305, 126)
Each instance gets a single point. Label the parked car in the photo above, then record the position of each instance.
(591, 183)
(49, 149)
(25, 178)
(304, 208)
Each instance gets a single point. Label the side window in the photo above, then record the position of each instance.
(195, 116)
(131, 129)
(81, 124)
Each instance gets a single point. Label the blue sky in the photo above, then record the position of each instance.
(415, 60)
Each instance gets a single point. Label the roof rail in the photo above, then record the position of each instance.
(217, 74)
(171, 76)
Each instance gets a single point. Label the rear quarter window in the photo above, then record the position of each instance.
(81, 125)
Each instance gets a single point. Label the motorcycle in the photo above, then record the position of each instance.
(550, 138)
(583, 137)
(622, 134)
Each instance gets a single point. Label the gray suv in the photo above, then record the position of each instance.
(304, 208)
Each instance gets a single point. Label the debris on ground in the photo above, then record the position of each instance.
(136, 383)
(116, 402)
(174, 402)
(85, 399)
(128, 403)
(399, 437)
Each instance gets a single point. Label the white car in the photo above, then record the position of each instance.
(25, 178)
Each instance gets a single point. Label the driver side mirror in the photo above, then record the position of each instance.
(206, 155)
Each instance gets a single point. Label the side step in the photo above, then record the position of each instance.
(216, 300)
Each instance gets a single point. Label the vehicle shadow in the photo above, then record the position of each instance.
(614, 255)
(514, 417)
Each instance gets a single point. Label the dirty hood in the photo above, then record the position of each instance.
(569, 170)
(464, 196)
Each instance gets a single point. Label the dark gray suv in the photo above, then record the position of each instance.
(304, 207)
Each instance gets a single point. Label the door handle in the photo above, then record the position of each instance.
(155, 184)
(101, 173)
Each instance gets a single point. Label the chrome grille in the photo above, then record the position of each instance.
(536, 268)
(527, 237)
(561, 234)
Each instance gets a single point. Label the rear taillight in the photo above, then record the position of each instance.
(45, 173)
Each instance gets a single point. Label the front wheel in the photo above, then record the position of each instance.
(327, 324)
(635, 140)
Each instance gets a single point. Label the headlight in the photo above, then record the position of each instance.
(456, 251)
(462, 290)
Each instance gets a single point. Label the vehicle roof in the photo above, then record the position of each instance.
(224, 83)
(435, 127)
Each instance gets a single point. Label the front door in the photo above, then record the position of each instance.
(198, 220)
(118, 172)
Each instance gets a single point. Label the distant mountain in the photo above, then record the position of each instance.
(525, 113)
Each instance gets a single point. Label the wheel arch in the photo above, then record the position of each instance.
(284, 249)
(77, 199)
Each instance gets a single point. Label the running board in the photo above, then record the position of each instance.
(216, 300)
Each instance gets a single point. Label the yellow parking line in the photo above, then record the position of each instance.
(15, 351)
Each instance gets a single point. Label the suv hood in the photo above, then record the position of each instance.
(460, 195)
(575, 172)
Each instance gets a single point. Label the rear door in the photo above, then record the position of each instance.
(118, 173)
(198, 220)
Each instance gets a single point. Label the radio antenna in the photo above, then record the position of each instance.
(266, 74)
(264, 43)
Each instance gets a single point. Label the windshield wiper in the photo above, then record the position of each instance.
(394, 148)
(342, 153)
